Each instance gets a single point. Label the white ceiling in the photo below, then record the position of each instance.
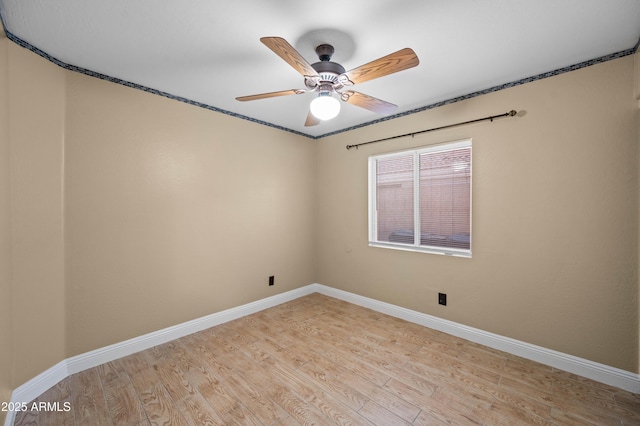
(208, 52)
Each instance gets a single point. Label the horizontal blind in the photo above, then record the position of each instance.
(420, 199)
(395, 199)
(445, 198)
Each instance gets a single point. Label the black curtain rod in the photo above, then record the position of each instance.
(492, 117)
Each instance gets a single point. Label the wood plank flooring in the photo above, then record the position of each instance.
(318, 360)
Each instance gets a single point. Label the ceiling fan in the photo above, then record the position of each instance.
(331, 81)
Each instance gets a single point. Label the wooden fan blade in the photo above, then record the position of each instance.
(398, 61)
(312, 120)
(283, 49)
(368, 102)
(269, 95)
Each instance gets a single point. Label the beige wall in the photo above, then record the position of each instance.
(6, 336)
(32, 284)
(36, 133)
(174, 212)
(130, 212)
(171, 212)
(555, 217)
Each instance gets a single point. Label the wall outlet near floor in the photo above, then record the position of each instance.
(272, 280)
(442, 299)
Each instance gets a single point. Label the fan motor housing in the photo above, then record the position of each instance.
(328, 72)
(325, 66)
(328, 67)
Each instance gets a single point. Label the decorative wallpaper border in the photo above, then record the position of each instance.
(495, 88)
(17, 40)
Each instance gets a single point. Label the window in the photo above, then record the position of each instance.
(420, 199)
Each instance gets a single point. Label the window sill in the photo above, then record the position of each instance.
(422, 249)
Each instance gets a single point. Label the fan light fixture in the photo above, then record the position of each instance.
(325, 106)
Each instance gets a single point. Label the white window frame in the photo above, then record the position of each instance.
(416, 247)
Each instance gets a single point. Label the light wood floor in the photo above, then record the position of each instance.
(318, 360)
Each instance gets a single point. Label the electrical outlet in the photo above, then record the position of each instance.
(272, 280)
(442, 299)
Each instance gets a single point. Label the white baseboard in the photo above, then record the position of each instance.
(109, 353)
(592, 370)
(42, 382)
